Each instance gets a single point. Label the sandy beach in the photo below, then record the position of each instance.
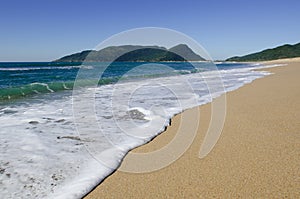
(257, 155)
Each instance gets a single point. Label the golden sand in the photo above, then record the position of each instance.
(257, 155)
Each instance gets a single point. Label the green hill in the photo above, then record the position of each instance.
(132, 53)
(285, 51)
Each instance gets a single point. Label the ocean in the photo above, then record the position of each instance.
(53, 144)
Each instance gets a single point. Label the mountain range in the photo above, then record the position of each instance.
(134, 53)
(280, 52)
(181, 52)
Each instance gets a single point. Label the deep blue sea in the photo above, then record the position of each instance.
(22, 79)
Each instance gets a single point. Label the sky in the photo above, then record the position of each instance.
(44, 30)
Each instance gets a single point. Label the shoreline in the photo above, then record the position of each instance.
(118, 182)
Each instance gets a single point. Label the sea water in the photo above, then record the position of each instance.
(47, 153)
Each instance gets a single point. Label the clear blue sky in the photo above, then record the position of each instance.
(44, 30)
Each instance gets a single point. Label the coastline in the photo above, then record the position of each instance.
(256, 155)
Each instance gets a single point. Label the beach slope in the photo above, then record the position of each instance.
(257, 155)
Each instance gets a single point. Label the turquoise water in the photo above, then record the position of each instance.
(18, 80)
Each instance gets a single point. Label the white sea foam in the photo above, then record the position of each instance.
(43, 84)
(42, 155)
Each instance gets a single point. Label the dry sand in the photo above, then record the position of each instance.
(257, 155)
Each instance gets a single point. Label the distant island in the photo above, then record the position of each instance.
(134, 53)
(281, 52)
